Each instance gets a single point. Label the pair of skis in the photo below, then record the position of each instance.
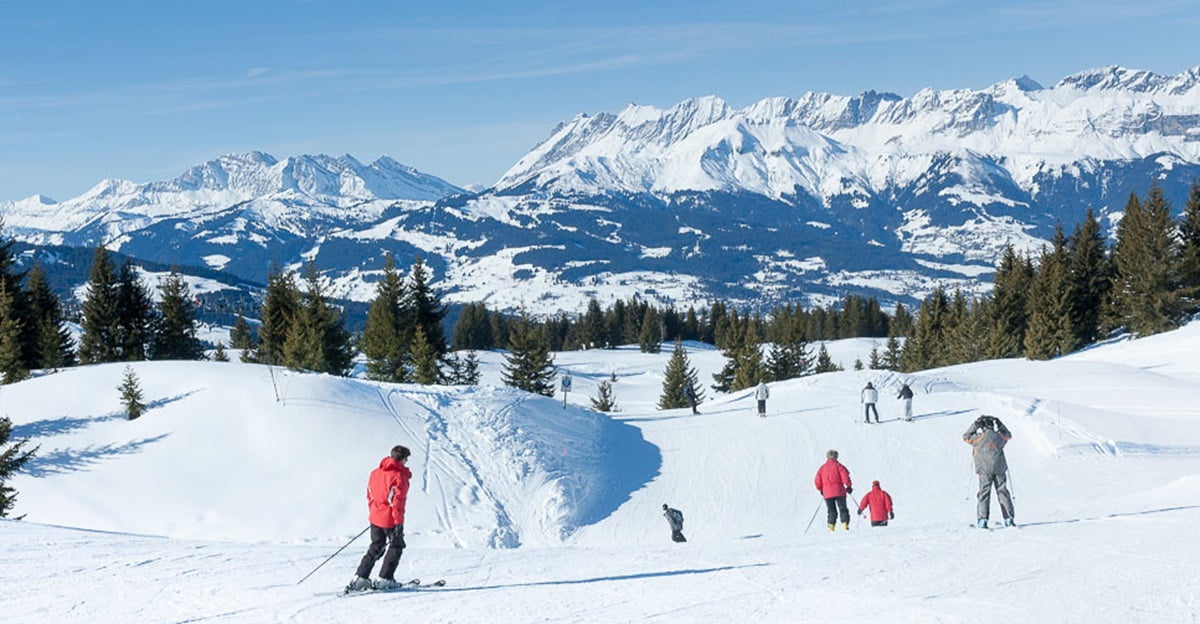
(405, 586)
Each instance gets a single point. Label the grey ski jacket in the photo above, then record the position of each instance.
(989, 448)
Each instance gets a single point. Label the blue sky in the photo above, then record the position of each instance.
(142, 90)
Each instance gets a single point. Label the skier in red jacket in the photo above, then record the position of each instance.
(833, 482)
(880, 503)
(387, 491)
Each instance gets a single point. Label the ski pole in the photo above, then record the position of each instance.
(1008, 480)
(814, 517)
(855, 503)
(333, 555)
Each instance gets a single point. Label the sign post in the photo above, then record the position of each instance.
(566, 387)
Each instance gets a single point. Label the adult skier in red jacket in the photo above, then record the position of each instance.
(833, 482)
(387, 492)
(880, 503)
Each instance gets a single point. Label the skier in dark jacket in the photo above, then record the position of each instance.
(690, 395)
(988, 435)
(387, 492)
(675, 519)
(880, 503)
(906, 394)
(833, 482)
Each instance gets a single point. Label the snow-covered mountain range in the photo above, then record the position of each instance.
(786, 198)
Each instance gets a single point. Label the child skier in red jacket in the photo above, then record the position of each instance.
(880, 503)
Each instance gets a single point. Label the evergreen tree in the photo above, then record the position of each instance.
(1050, 333)
(1089, 275)
(12, 458)
(679, 374)
(425, 307)
(1009, 306)
(100, 340)
(425, 360)
(135, 314)
(749, 369)
(788, 356)
(131, 394)
(54, 346)
(604, 401)
(19, 308)
(382, 341)
(926, 347)
(528, 364)
(892, 352)
(650, 336)
(473, 330)
(464, 371)
(317, 340)
(824, 362)
(1146, 294)
(219, 354)
(858, 365)
(594, 332)
(240, 336)
(175, 332)
(12, 364)
(280, 307)
(1189, 249)
(874, 360)
(901, 323)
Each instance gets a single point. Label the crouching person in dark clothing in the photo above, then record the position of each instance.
(675, 519)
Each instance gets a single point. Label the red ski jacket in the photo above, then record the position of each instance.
(880, 502)
(832, 479)
(387, 491)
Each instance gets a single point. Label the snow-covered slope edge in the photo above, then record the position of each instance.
(216, 456)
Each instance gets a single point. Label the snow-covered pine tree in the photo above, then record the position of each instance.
(12, 458)
(131, 394)
(824, 362)
(604, 401)
(219, 354)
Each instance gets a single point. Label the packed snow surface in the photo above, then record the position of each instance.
(240, 480)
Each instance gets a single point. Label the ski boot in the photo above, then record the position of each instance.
(831, 528)
(386, 584)
(1009, 522)
(846, 525)
(359, 584)
(982, 523)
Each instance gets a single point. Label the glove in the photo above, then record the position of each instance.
(891, 516)
(849, 490)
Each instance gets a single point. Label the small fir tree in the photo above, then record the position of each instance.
(136, 316)
(650, 335)
(240, 336)
(678, 375)
(54, 347)
(131, 394)
(824, 362)
(425, 359)
(604, 401)
(281, 305)
(219, 354)
(12, 458)
(382, 340)
(528, 364)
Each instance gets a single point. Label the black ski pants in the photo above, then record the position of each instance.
(836, 507)
(394, 539)
(870, 407)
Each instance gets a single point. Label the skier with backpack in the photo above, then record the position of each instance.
(833, 482)
(988, 436)
(675, 519)
(880, 503)
(387, 492)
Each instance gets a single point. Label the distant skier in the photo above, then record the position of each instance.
(760, 394)
(988, 435)
(880, 503)
(675, 519)
(690, 395)
(906, 394)
(833, 482)
(387, 491)
(869, 396)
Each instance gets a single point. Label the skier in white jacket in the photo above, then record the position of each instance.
(868, 397)
(760, 394)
